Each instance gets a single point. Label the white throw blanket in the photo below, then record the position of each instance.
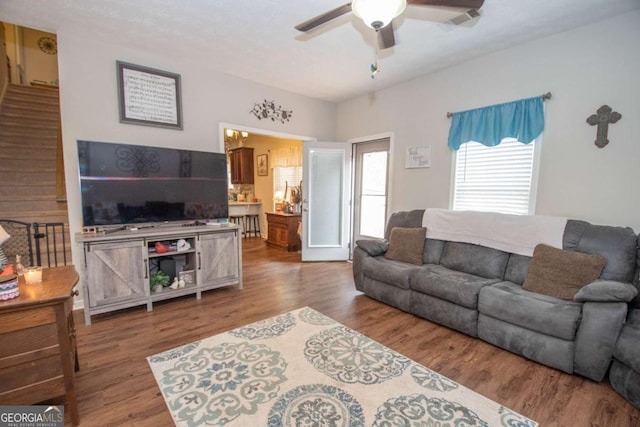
(517, 234)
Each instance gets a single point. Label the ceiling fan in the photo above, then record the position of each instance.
(379, 14)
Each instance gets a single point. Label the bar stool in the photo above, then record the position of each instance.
(252, 223)
(239, 219)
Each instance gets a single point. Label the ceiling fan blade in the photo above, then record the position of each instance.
(324, 18)
(464, 17)
(469, 4)
(386, 38)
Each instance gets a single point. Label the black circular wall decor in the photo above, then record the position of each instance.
(48, 45)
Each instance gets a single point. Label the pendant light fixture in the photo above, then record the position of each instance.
(378, 14)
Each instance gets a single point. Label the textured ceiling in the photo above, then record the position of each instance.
(255, 39)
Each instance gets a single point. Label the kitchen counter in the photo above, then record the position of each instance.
(244, 208)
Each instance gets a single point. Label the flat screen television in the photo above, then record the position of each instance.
(131, 184)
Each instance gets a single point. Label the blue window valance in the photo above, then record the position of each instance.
(522, 120)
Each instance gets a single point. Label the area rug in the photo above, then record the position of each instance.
(304, 369)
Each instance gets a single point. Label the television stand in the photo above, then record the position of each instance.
(115, 230)
(119, 264)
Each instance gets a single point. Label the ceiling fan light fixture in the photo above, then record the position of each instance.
(378, 13)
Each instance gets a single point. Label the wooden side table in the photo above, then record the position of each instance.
(38, 349)
(283, 230)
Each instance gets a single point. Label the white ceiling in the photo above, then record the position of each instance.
(255, 39)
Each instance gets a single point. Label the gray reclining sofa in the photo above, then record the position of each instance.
(625, 369)
(478, 291)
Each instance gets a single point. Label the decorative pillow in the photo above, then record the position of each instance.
(406, 244)
(561, 273)
(373, 247)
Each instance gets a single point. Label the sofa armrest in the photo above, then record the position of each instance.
(606, 291)
(597, 335)
(373, 247)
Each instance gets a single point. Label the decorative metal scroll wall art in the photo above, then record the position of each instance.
(268, 110)
(603, 117)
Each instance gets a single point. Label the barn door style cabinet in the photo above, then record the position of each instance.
(121, 269)
(241, 161)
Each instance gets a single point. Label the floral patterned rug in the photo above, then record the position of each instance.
(304, 369)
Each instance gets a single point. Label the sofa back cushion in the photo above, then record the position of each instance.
(406, 219)
(618, 245)
(433, 249)
(517, 268)
(635, 303)
(474, 259)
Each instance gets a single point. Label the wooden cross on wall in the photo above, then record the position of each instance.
(604, 116)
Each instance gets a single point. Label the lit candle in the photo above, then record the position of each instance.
(33, 275)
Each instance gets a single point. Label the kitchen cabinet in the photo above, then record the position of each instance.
(241, 161)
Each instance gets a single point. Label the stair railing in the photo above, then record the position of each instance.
(55, 243)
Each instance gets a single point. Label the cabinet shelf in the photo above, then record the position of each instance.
(171, 253)
(168, 293)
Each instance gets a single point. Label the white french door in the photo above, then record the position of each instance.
(325, 206)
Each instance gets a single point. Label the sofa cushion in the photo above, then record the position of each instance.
(635, 303)
(406, 244)
(517, 268)
(561, 273)
(617, 244)
(450, 285)
(627, 349)
(432, 251)
(407, 219)
(394, 273)
(373, 247)
(474, 259)
(511, 303)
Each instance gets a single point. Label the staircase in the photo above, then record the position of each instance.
(29, 126)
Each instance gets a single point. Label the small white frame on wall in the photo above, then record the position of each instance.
(418, 157)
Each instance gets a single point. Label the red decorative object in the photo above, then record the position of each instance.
(160, 248)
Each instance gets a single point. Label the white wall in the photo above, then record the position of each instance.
(89, 106)
(583, 68)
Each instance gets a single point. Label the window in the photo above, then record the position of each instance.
(502, 178)
(284, 175)
(373, 193)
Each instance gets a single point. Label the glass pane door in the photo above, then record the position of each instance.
(325, 203)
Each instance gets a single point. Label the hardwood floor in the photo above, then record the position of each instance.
(115, 386)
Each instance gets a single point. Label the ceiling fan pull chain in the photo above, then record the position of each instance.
(374, 67)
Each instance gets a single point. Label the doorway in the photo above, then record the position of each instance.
(371, 183)
(268, 191)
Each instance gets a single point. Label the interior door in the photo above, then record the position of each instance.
(326, 171)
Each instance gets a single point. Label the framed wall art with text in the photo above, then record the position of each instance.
(148, 96)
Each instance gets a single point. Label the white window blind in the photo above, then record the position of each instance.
(494, 179)
(292, 175)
